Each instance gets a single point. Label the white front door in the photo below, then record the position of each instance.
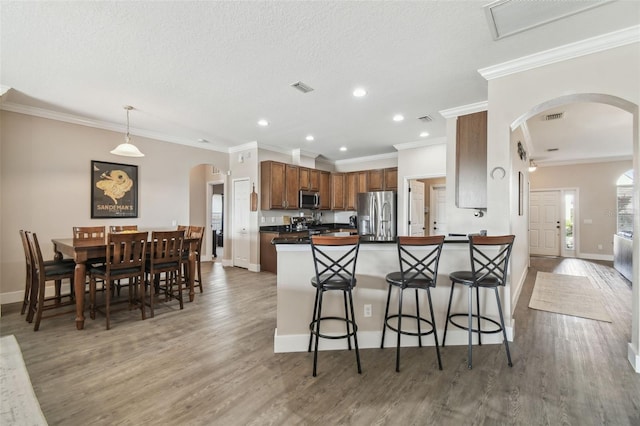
(416, 208)
(544, 223)
(438, 218)
(240, 223)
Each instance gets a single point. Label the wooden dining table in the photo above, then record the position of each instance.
(83, 251)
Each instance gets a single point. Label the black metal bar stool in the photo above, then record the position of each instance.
(418, 257)
(489, 263)
(334, 259)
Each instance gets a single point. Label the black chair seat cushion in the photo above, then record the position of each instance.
(395, 278)
(162, 266)
(59, 268)
(335, 283)
(115, 274)
(466, 278)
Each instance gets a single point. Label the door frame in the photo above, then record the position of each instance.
(208, 251)
(404, 220)
(576, 220)
(431, 203)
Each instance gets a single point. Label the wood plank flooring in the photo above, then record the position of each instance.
(213, 364)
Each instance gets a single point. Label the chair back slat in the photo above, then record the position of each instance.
(490, 257)
(419, 257)
(338, 264)
(166, 246)
(125, 251)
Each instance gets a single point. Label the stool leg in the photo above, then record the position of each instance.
(478, 312)
(313, 318)
(386, 315)
(418, 319)
(470, 325)
(446, 323)
(435, 331)
(399, 333)
(346, 315)
(355, 332)
(504, 332)
(315, 350)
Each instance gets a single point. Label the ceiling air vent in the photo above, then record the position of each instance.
(425, 118)
(302, 87)
(553, 149)
(556, 116)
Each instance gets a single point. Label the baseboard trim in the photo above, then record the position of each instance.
(595, 256)
(371, 339)
(634, 358)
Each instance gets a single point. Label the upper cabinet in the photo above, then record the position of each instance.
(356, 182)
(383, 179)
(279, 185)
(338, 191)
(325, 190)
(309, 179)
(471, 161)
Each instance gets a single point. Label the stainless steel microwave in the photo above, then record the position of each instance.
(309, 200)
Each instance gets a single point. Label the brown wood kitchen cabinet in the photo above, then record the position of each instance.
(279, 185)
(356, 182)
(268, 254)
(338, 191)
(471, 161)
(325, 190)
(309, 179)
(383, 179)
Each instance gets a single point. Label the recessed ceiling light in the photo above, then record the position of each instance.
(309, 138)
(424, 134)
(263, 123)
(398, 117)
(203, 140)
(343, 148)
(359, 92)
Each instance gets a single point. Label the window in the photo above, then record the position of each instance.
(624, 208)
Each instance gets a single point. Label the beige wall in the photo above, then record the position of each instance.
(46, 188)
(611, 77)
(596, 184)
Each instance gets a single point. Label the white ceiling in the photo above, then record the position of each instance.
(210, 70)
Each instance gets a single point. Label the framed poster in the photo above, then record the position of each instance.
(114, 190)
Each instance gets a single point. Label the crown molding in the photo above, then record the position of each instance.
(369, 158)
(465, 109)
(4, 89)
(105, 125)
(243, 147)
(562, 53)
(594, 160)
(420, 143)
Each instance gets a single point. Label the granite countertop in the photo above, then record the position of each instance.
(367, 239)
(289, 228)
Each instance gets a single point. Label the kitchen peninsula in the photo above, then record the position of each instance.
(376, 259)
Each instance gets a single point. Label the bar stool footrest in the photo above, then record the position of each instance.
(483, 331)
(409, 333)
(354, 328)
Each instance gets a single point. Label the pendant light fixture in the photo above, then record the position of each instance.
(532, 166)
(127, 149)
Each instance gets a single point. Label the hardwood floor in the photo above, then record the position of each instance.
(213, 364)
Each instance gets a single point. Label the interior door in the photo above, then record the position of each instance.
(416, 208)
(438, 219)
(544, 223)
(240, 223)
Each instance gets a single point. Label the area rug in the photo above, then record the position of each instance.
(18, 402)
(568, 295)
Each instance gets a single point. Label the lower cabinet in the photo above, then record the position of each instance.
(268, 254)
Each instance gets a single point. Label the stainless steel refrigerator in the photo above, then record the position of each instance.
(377, 214)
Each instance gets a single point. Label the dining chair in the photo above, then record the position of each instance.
(197, 232)
(125, 259)
(489, 265)
(42, 273)
(89, 233)
(334, 260)
(28, 275)
(165, 257)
